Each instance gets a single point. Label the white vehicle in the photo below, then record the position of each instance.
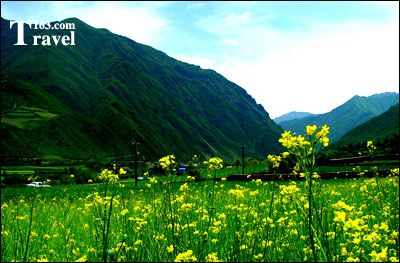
(38, 184)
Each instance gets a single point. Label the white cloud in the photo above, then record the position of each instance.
(315, 70)
(138, 22)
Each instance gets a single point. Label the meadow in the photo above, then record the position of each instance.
(163, 219)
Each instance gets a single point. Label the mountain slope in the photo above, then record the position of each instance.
(347, 116)
(292, 116)
(107, 86)
(378, 128)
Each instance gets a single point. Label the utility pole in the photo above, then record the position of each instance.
(242, 160)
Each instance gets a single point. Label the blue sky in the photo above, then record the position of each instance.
(290, 56)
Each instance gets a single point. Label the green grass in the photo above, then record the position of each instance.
(349, 168)
(247, 221)
(228, 170)
(29, 169)
(27, 117)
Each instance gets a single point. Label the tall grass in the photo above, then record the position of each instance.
(165, 220)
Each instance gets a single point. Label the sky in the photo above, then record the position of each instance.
(289, 56)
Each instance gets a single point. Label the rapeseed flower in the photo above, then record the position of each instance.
(82, 259)
(212, 257)
(275, 160)
(340, 216)
(214, 163)
(186, 257)
(379, 257)
(170, 249)
(167, 161)
(310, 129)
(108, 176)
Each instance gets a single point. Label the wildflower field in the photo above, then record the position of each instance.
(334, 220)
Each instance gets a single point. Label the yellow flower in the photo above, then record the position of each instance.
(186, 257)
(184, 187)
(342, 205)
(82, 259)
(315, 175)
(287, 140)
(340, 217)
(266, 243)
(236, 192)
(212, 257)
(393, 259)
(121, 171)
(323, 132)
(167, 161)
(108, 176)
(42, 260)
(243, 247)
(274, 160)
(138, 242)
(258, 182)
(170, 249)
(214, 163)
(351, 259)
(285, 154)
(310, 129)
(124, 212)
(379, 257)
(384, 227)
(325, 141)
(289, 190)
(153, 180)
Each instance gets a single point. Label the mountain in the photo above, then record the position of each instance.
(376, 129)
(88, 100)
(349, 115)
(292, 116)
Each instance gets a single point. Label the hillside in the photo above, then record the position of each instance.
(381, 127)
(107, 87)
(292, 116)
(347, 116)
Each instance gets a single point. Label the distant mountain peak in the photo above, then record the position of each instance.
(345, 117)
(292, 116)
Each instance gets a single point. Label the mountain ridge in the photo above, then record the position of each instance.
(292, 116)
(347, 116)
(378, 128)
(120, 86)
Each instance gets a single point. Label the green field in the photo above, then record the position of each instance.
(27, 117)
(177, 218)
(207, 221)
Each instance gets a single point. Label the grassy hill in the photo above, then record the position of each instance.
(97, 93)
(347, 116)
(378, 128)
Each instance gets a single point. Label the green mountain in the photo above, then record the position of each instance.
(87, 101)
(349, 115)
(292, 116)
(378, 128)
